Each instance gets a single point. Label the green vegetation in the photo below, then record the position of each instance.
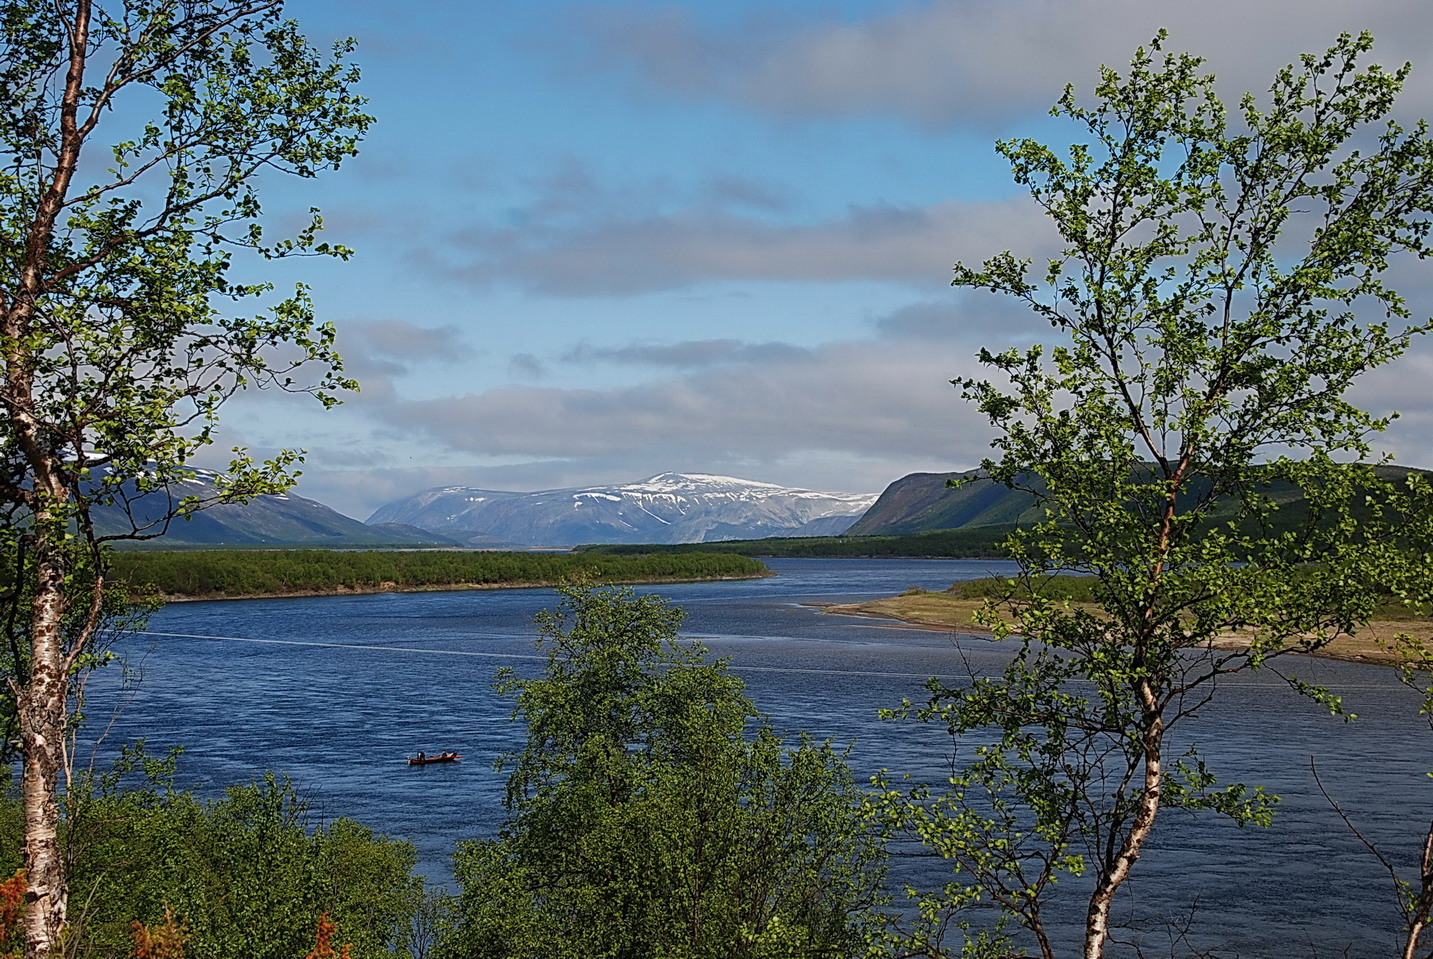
(1086, 589)
(977, 543)
(653, 814)
(219, 573)
(1207, 310)
(247, 876)
(1056, 588)
(132, 135)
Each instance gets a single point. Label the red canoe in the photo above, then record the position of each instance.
(422, 760)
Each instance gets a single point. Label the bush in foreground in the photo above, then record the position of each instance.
(645, 821)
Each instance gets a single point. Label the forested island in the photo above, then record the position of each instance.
(233, 574)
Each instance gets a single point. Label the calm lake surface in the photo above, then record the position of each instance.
(336, 691)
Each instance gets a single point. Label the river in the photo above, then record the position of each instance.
(336, 691)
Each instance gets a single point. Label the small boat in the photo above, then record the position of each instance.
(422, 759)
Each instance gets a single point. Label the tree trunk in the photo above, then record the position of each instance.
(1422, 906)
(42, 698)
(42, 707)
(1097, 920)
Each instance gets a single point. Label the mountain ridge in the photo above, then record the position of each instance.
(666, 508)
(926, 503)
(271, 521)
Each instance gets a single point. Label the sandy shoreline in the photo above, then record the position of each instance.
(957, 616)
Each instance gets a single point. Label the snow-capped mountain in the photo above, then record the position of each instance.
(668, 508)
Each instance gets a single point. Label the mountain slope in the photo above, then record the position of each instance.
(922, 502)
(285, 520)
(668, 508)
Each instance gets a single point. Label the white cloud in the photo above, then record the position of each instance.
(953, 61)
(875, 399)
(376, 352)
(692, 354)
(619, 256)
(405, 341)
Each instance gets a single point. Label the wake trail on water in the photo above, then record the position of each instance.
(306, 642)
(478, 654)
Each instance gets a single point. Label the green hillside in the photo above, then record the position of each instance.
(922, 502)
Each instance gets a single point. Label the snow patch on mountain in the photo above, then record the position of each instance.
(666, 508)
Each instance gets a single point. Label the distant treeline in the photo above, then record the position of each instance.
(1085, 589)
(217, 573)
(1074, 589)
(976, 543)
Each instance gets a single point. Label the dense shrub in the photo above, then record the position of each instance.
(248, 876)
(653, 815)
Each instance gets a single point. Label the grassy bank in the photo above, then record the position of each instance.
(955, 609)
(225, 574)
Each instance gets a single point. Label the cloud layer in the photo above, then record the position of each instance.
(950, 62)
(621, 254)
(610, 239)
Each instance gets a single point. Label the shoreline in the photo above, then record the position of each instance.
(1363, 649)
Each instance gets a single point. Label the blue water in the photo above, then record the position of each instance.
(336, 691)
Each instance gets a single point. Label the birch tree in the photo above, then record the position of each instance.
(134, 138)
(1190, 437)
(654, 813)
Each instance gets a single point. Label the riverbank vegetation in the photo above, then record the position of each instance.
(158, 872)
(978, 543)
(221, 574)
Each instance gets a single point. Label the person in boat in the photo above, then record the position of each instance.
(422, 755)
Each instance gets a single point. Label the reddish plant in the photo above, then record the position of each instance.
(322, 947)
(162, 941)
(12, 907)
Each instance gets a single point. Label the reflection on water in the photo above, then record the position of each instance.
(337, 691)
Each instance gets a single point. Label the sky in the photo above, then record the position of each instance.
(602, 240)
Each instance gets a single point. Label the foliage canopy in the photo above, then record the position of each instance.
(649, 818)
(135, 137)
(1220, 288)
(247, 875)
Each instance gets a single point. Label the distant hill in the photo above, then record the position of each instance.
(265, 521)
(667, 508)
(924, 503)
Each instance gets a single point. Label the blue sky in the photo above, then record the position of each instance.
(598, 241)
